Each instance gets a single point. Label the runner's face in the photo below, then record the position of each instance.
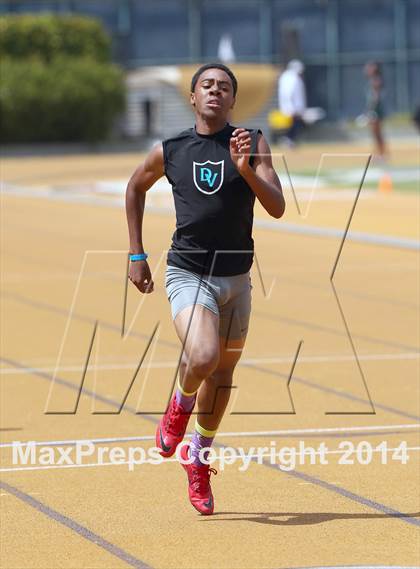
(213, 94)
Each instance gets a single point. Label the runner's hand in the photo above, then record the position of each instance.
(141, 277)
(240, 148)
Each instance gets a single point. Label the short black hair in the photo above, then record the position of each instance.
(214, 66)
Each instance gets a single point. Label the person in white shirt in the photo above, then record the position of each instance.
(292, 97)
(225, 51)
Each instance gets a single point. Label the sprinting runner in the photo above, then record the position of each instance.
(215, 170)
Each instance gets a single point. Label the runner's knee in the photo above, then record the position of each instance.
(202, 362)
(223, 377)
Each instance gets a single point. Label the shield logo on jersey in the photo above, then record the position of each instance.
(208, 176)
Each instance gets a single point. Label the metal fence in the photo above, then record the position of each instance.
(333, 37)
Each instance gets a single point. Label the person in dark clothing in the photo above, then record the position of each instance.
(216, 171)
(375, 108)
(416, 117)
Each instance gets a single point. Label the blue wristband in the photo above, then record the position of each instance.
(140, 257)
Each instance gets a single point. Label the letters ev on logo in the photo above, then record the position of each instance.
(208, 176)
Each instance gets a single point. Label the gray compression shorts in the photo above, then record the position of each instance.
(228, 297)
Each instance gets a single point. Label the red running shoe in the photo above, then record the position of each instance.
(199, 489)
(171, 428)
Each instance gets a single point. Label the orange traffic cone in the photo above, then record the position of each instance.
(385, 183)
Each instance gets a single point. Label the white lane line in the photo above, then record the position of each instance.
(59, 466)
(124, 462)
(285, 227)
(285, 432)
(356, 566)
(331, 358)
(321, 430)
(357, 236)
(243, 362)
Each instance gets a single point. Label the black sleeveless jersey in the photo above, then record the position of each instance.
(213, 203)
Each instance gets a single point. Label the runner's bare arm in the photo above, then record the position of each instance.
(261, 177)
(142, 180)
